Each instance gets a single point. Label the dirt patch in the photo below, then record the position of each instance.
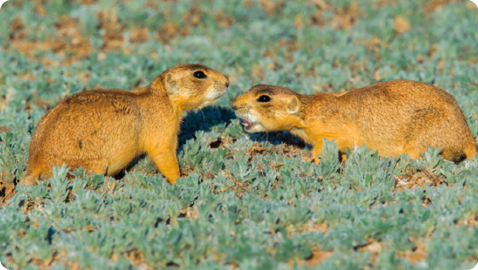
(136, 257)
(224, 20)
(138, 35)
(289, 150)
(417, 254)
(471, 221)
(316, 227)
(270, 7)
(7, 187)
(4, 129)
(436, 5)
(384, 3)
(190, 20)
(68, 41)
(411, 179)
(344, 17)
(402, 25)
(72, 45)
(317, 257)
(113, 36)
(6, 193)
(170, 30)
(374, 248)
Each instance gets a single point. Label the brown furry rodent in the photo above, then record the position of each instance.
(104, 130)
(395, 117)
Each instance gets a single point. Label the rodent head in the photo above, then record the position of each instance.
(268, 108)
(192, 86)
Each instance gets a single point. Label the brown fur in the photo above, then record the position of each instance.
(104, 130)
(395, 117)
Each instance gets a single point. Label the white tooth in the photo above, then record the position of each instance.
(244, 124)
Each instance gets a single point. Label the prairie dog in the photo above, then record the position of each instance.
(394, 117)
(104, 130)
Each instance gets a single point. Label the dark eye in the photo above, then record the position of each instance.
(199, 75)
(264, 98)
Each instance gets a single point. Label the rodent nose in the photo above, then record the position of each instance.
(227, 80)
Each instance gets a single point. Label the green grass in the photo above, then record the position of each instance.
(246, 201)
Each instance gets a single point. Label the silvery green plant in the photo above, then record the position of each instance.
(235, 207)
(59, 183)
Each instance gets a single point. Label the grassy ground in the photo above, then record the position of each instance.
(245, 201)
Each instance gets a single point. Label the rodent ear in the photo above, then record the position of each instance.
(170, 84)
(293, 105)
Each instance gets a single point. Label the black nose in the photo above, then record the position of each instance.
(227, 78)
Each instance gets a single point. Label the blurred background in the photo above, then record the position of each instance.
(52, 48)
(245, 201)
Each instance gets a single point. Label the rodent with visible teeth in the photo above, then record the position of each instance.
(394, 117)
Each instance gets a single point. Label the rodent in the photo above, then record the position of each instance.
(393, 117)
(104, 130)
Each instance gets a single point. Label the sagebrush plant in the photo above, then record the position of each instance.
(244, 201)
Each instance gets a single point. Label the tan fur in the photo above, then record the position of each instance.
(104, 130)
(395, 117)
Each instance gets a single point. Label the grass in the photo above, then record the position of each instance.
(245, 201)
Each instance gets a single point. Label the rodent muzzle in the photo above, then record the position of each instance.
(227, 80)
(234, 105)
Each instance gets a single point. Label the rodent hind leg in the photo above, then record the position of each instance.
(438, 129)
(449, 151)
(91, 167)
(99, 167)
(167, 164)
(415, 148)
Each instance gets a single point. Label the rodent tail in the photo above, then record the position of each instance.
(470, 151)
(30, 178)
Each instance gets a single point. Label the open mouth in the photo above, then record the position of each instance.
(247, 125)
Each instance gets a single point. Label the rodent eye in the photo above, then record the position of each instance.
(199, 75)
(264, 98)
